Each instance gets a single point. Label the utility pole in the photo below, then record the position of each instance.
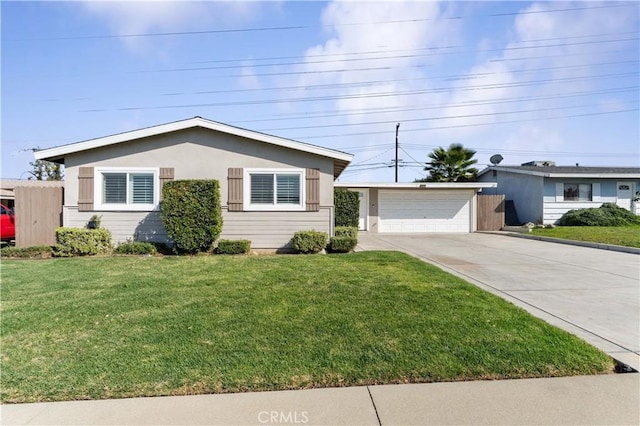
(397, 128)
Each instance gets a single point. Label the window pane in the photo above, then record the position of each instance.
(141, 188)
(584, 192)
(261, 188)
(288, 189)
(570, 192)
(114, 188)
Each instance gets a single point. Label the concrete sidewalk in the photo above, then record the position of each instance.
(608, 400)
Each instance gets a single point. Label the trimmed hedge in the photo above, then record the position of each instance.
(347, 207)
(191, 213)
(309, 242)
(342, 244)
(346, 231)
(135, 247)
(81, 242)
(33, 252)
(233, 247)
(609, 214)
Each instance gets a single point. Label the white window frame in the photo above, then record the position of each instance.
(577, 183)
(246, 190)
(98, 183)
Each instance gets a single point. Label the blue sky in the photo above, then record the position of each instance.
(529, 80)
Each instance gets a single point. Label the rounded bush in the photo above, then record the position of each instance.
(233, 247)
(135, 247)
(309, 242)
(342, 244)
(609, 214)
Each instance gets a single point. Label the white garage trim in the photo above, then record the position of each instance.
(426, 210)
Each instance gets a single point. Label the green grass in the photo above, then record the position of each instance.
(618, 235)
(87, 328)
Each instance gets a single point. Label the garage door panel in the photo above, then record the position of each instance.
(422, 211)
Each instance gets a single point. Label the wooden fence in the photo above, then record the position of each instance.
(490, 212)
(38, 214)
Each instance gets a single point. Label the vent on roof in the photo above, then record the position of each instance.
(540, 163)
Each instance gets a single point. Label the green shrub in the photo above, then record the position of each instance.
(81, 242)
(163, 248)
(191, 213)
(94, 222)
(309, 241)
(135, 247)
(347, 207)
(346, 231)
(26, 252)
(342, 244)
(233, 247)
(609, 214)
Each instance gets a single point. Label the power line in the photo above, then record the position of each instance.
(329, 86)
(299, 27)
(369, 95)
(371, 111)
(224, 67)
(467, 125)
(325, 55)
(450, 117)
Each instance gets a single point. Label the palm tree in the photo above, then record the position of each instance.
(452, 164)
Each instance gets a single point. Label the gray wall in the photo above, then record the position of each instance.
(526, 191)
(203, 154)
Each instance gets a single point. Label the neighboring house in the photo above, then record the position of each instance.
(418, 207)
(542, 192)
(270, 187)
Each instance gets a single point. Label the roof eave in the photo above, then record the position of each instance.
(57, 154)
(418, 185)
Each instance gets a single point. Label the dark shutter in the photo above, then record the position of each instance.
(85, 189)
(313, 190)
(235, 200)
(166, 174)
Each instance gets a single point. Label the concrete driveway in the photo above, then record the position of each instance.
(592, 293)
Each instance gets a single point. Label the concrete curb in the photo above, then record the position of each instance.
(601, 246)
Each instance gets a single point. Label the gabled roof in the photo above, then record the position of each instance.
(57, 154)
(569, 171)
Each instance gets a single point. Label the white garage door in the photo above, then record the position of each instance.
(424, 211)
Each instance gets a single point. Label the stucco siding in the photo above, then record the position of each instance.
(197, 154)
(203, 154)
(526, 192)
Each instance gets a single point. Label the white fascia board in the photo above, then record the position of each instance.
(418, 185)
(595, 175)
(61, 151)
(563, 175)
(518, 171)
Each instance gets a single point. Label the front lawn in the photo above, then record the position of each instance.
(86, 328)
(618, 235)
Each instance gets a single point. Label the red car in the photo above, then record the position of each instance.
(7, 224)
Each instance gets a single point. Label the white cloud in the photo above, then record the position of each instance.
(144, 16)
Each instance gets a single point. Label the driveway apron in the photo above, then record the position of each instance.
(592, 293)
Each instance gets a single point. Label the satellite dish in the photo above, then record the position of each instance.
(496, 159)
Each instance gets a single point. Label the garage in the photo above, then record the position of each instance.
(425, 211)
(418, 207)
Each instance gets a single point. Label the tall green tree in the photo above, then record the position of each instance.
(453, 164)
(45, 170)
